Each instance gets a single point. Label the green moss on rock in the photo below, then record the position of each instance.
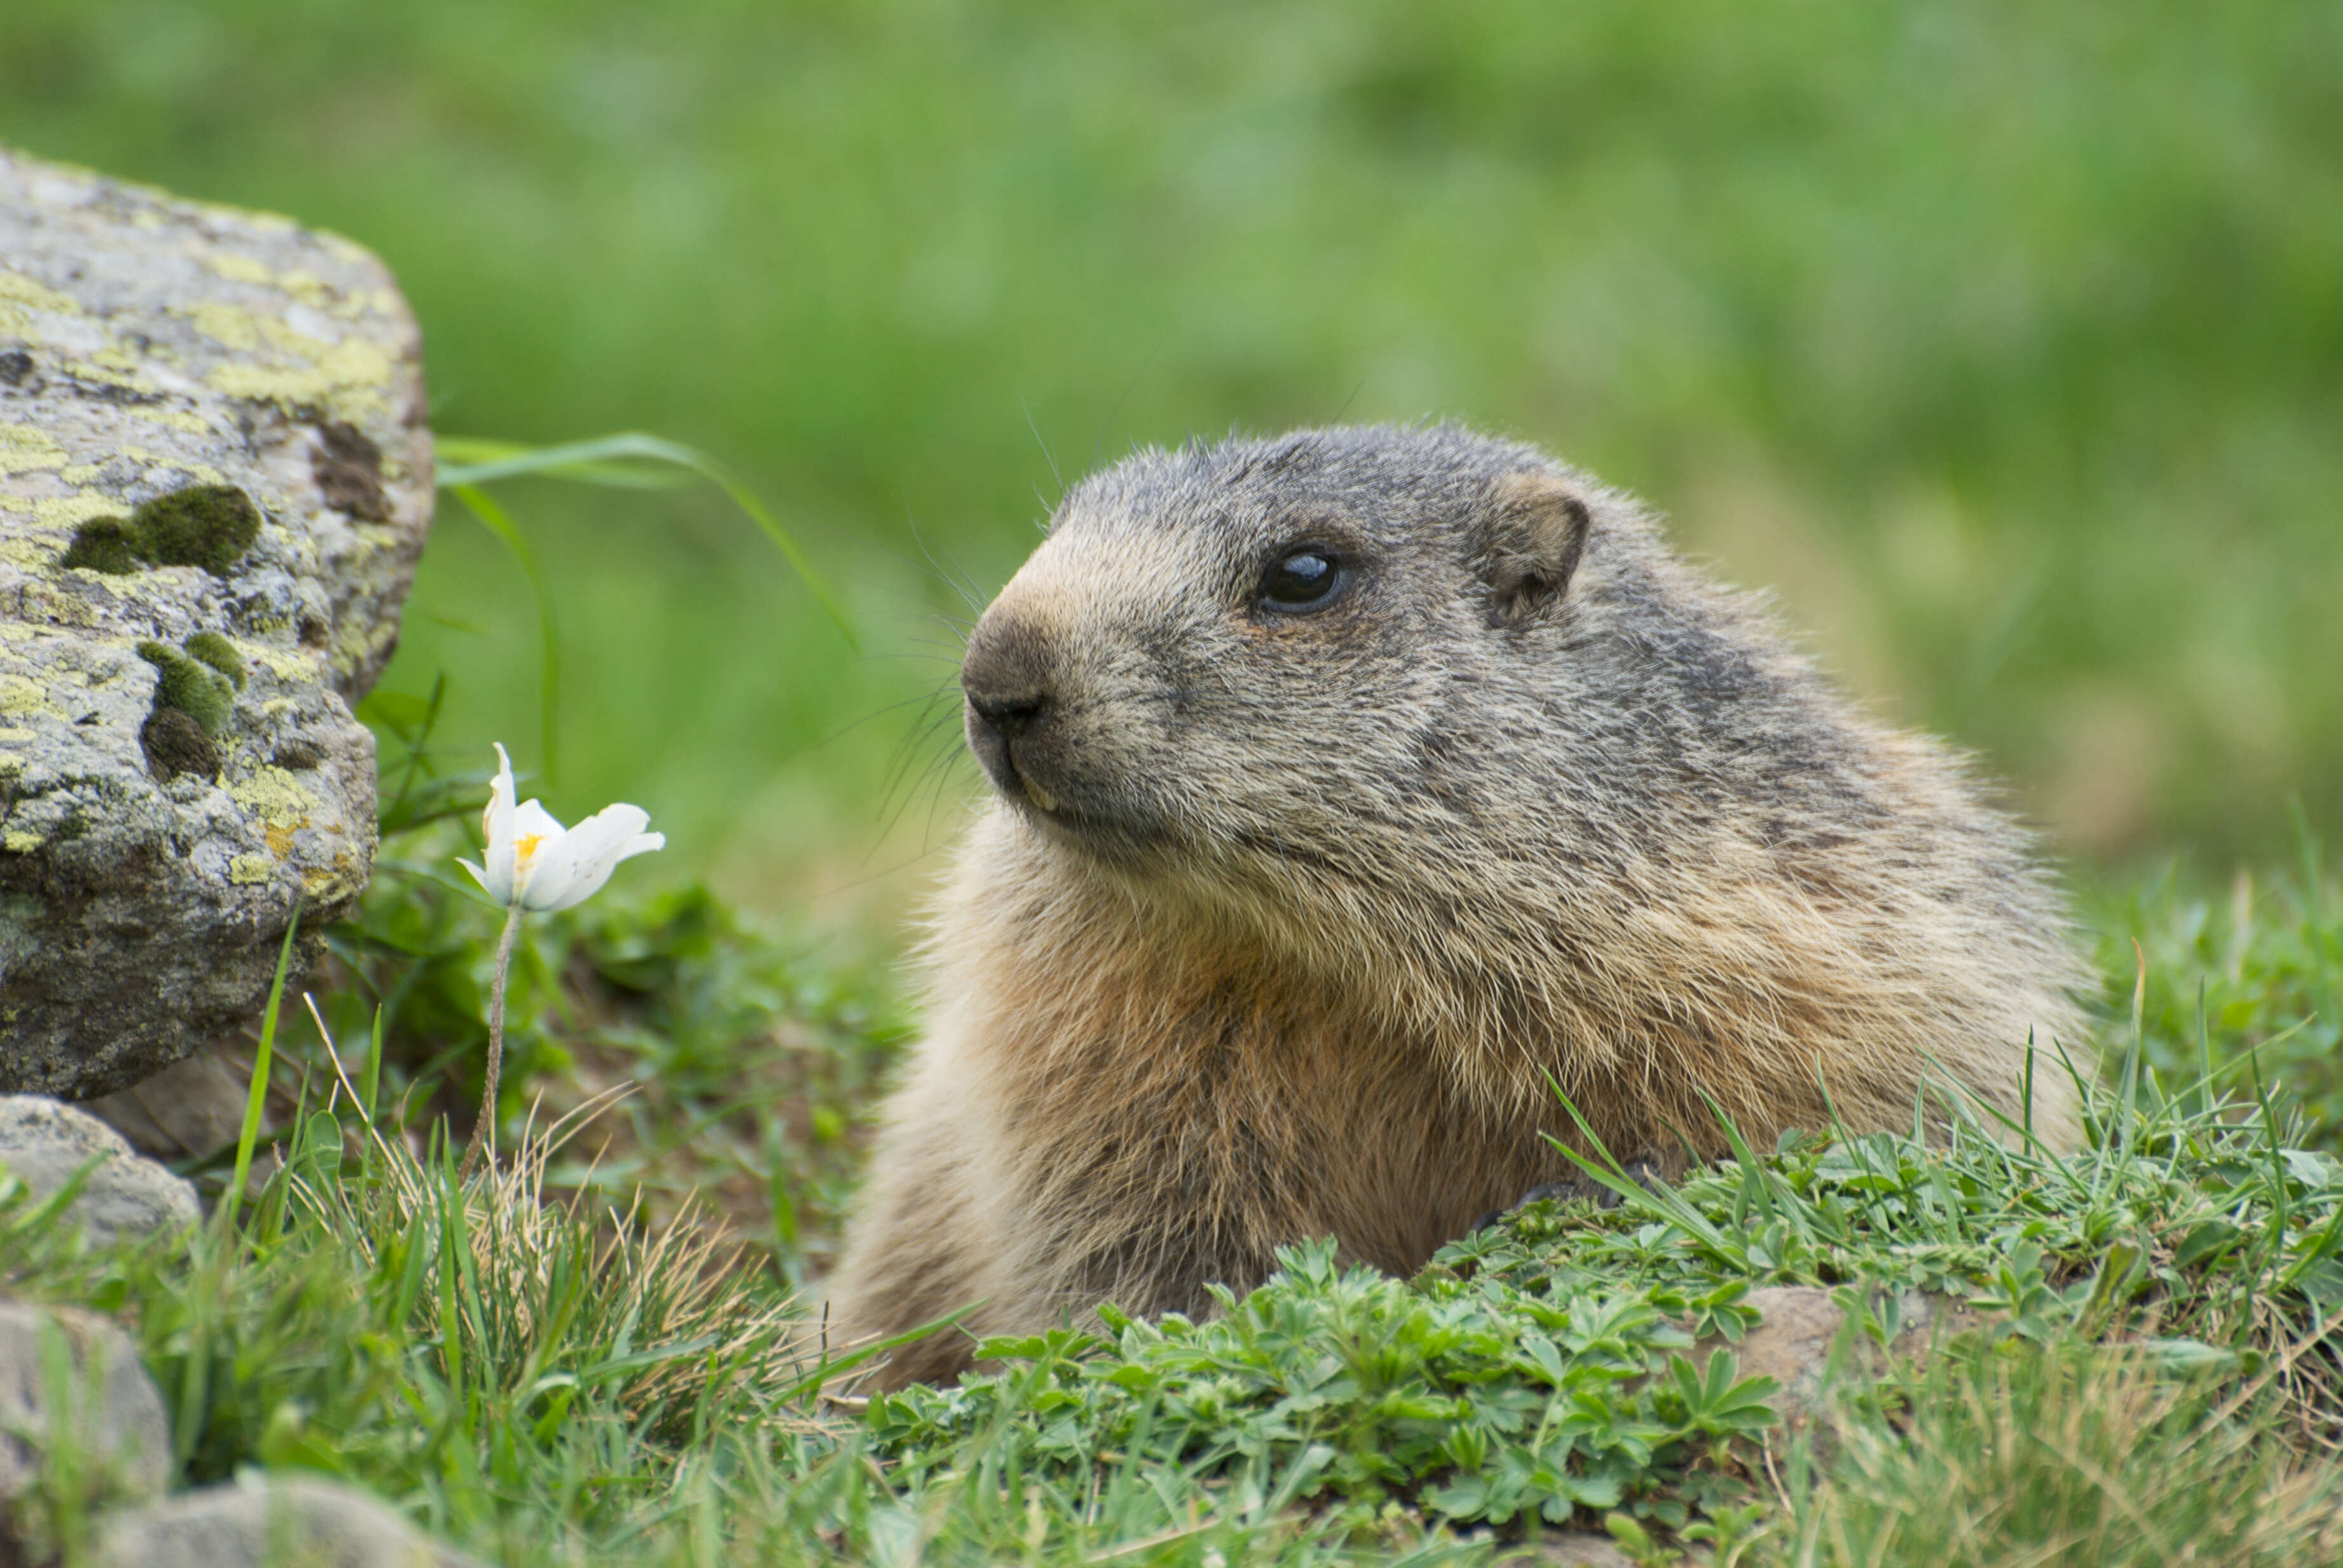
(206, 526)
(219, 653)
(193, 688)
(103, 544)
(177, 744)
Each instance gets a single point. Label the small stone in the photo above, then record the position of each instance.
(114, 1417)
(266, 1521)
(1800, 1331)
(1575, 1549)
(44, 1144)
(189, 1110)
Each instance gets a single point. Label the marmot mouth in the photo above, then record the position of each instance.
(1028, 786)
(1100, 828)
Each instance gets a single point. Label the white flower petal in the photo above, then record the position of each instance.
(536, 835)
(533, 817)
(584, 859)
(496, 824)
(548, 890)
(534, 863)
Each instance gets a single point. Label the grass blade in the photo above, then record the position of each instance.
(630, 459)
(494, 519)
(255, 1101)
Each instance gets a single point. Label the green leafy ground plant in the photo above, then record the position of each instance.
(564, 1364)
(548, 1384)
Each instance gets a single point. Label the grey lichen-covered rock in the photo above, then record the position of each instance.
(45, 1144)
(270, 1522)
(215, 479)
(111, 1413)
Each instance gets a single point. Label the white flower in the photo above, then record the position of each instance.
(536, 863)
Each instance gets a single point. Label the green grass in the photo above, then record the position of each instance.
(2256, 964)
(571, 1366)
(2069, 1458)
(2001, 339)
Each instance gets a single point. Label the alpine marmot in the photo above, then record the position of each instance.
(1352, 791)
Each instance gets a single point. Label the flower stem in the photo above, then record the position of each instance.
(484, 1130)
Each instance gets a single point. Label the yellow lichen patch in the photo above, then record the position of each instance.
(273, 795)
(350, 376)
(12, 764)
(247, 870)
(89, 370)
(160, 588)
(307, 287)
(357, 362)
(19, 295)
(380, 301)
(64, 609)
(202, 473)
(279, 839)
(323, 885)
(25, 449)
(351, 398)
(248, 330)
(173, 419)
(18, 289)
(238, 269)
(18, 695)
(279, 662)
(20, 841)
(232, 324)
(63, 511)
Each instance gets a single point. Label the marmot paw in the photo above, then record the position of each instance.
(1643, 1169)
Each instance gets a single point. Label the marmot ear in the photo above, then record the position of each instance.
(1536, 531)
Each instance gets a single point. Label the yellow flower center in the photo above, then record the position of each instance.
(525, 850)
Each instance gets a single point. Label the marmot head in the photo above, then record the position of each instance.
(1269, 655)
(1444, 724)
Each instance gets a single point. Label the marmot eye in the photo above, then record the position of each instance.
(1304, 580)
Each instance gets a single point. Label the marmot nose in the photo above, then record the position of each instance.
(1011, 716)
(1006, 676)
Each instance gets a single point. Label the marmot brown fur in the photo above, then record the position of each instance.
(1347, 786)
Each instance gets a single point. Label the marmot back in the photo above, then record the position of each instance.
(1347, 787)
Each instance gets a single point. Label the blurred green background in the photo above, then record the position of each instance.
(2005, 341)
